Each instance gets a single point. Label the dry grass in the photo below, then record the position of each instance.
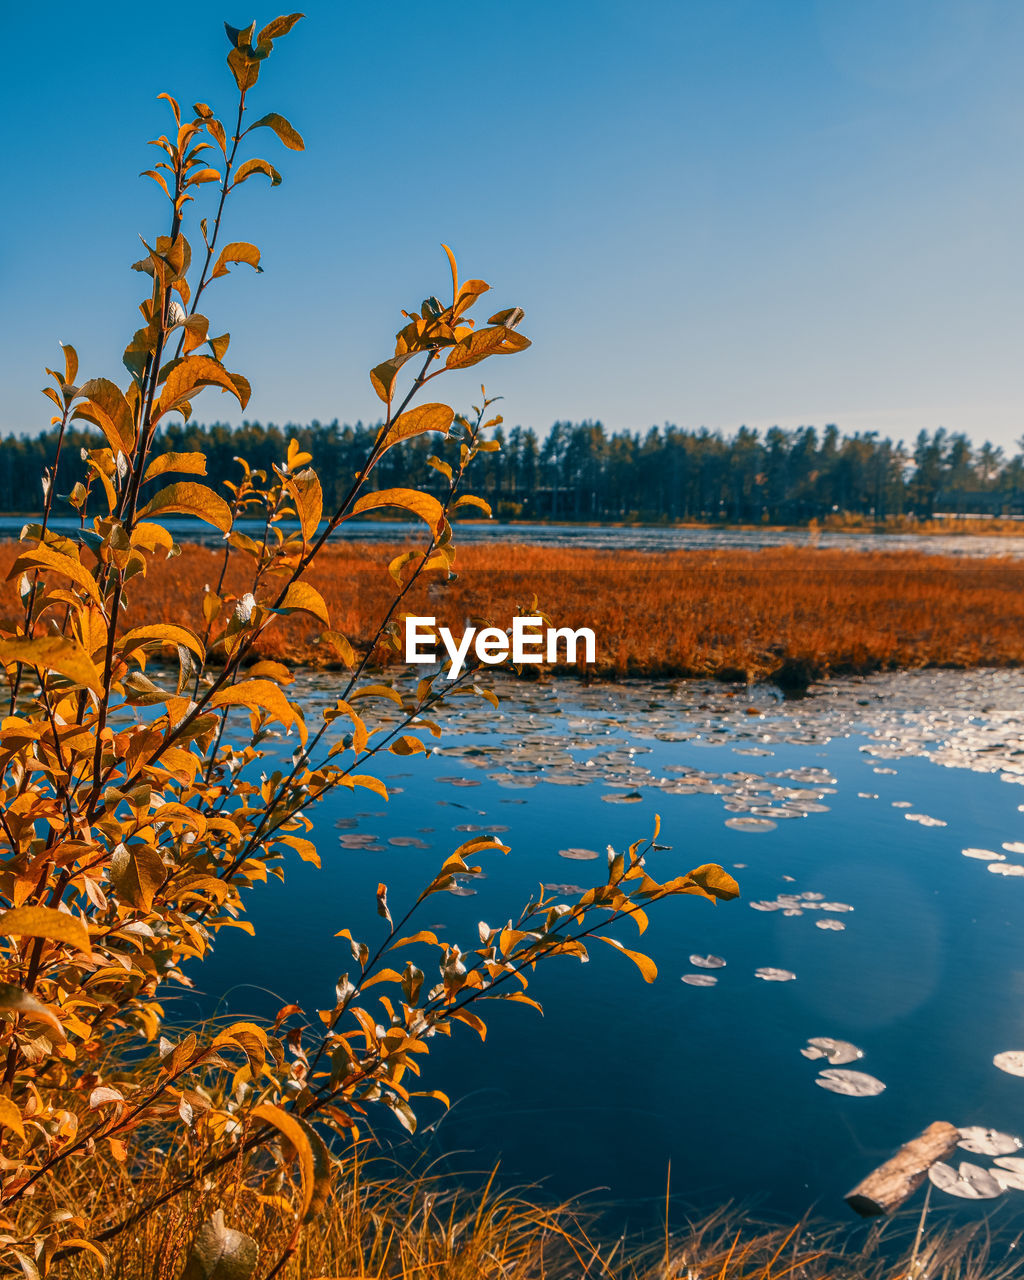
(389, 1224)
(792, 614)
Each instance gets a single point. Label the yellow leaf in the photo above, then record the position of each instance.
(10, 1116)
(165, 631)
(482, 343)
(416, 422)
(192, 464)
(108, 409)
(341, 645)
(296, 1134)
(248, 1037)
(471, 500)
(376, 691)
(151, 536)
(237, 251)
(192, 374)
(644, 963)
(369, 782)
(46, 922)
(137, 873)
(54, 653)
(191, 499)
(16, 1000)
(288, 134)
(455, 271)
(309, 501)
(256, 166)
(46, 558)
(419, 504)
(256, 693)
(424, 935)
(715, 882)
(382, 378)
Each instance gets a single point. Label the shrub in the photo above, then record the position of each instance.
(134, 814)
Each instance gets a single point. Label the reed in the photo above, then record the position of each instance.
(788, 614)
(384, 1222)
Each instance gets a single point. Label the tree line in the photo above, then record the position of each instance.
(581, 471)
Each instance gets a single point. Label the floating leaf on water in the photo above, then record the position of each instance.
(1006, 868)
(837, 1052)
(1011, 1061)
(878, 770)
(708, 962)
(1013, 846)
(564, 888)
(987, 1142)
(1013, 1164)
(1009, 1179)
(408, 842)
(774, 975)
(984, 855)
(699, 979)
(924, 820)
(971, 1182)
(749, 824)
(836, 925)
(764, 906)
(852, 1084)
(867, 795)
(621, 797)
(358, 840)
(579, 855)
(836, 908)
(462, 890)
(903, 804)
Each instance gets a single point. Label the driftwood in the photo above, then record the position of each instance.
(892, 1182)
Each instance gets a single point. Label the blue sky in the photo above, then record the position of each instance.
(714, 212)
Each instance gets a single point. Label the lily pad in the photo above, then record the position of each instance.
(837, 1052)
(1011, 1061)
(851, 1084)
(987, 1142)
(699, 979)
(970, 1182)
(774, 975)
(579, 855)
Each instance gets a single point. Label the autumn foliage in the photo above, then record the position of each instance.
(135, 813)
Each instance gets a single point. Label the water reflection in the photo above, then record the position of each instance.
(868, 930)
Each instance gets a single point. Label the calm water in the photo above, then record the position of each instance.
(632, 538)
(844, 817)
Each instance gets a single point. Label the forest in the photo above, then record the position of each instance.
(583, 472)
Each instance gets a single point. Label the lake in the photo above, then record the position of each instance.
(845, 817)
(602, 537)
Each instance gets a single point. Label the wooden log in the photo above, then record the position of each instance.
(897, 1179)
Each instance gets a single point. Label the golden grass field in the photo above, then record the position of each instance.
(792, 614)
